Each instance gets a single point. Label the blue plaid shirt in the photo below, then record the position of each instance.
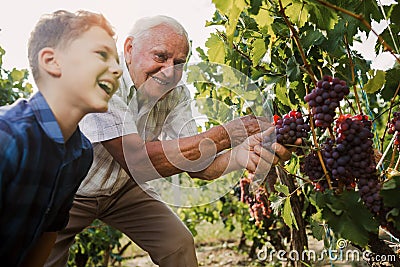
(39, 175)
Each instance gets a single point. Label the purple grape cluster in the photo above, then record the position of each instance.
(288, 129)
(325, 98)
(311, 166)
(369, 188)
(349, 160)
(394, 126)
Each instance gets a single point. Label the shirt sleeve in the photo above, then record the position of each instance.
(9, 157)
(116, 122)
(180, 121)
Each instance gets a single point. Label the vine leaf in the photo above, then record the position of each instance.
(347, 215)
(287, 214)
(296, 12)
(281, 188)
(216, 48)
(317, 228)
(258, 51)
(321, 16)
(375, 83)
(232, 10)
(390, 193)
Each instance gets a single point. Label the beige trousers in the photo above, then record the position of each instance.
(148, 222)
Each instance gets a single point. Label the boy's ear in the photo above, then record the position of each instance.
(128, 47)
(48, 61)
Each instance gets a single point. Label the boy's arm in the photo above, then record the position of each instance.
(9, 159)
(37, 255)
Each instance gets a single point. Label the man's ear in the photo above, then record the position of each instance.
(48, 61)
(128, 47)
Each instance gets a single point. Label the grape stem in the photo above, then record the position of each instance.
(390, 112)
(386, 151)
(353, 76)
(397, 164)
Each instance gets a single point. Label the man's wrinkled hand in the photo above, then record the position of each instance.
(241, 128)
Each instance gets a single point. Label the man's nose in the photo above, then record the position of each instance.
(168, 69)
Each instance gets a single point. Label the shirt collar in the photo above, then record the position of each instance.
(45, 117)
(126, 77)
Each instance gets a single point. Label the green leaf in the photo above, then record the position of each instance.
(281, 188)
(390, 192)
(325, 18)
(376, 82)
(258, 51)
(347, 216)
(287, 214)
(311, 37)
(317, 228)
(392, 81)
(281, 94)
(216, 49)
(293, 69)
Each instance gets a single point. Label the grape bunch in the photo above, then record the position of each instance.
(351, 156)
(287, 129)
(311, 166)
(325, 98)
(258, 202)
(369, 188)
(394, 127)
(260, 207)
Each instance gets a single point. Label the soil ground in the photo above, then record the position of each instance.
(218, 247)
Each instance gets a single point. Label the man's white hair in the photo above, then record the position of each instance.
(145, 24)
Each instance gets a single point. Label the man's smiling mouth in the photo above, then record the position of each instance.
(159, 81)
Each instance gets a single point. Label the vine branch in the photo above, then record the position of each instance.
(361, 18)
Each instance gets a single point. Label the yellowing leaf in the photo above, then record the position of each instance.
(232, 10)
(216, 49)
(17, 75)
(297, 14)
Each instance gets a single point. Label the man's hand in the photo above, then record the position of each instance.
(256, 159)
(241, 128)
(252, 156)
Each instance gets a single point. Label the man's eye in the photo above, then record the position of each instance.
(160, 57)
(179, 66)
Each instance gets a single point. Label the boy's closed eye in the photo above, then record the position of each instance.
(103, 54)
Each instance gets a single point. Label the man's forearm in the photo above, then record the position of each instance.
(146, 161)
(223, 164)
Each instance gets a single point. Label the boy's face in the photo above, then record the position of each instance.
(90, 70)
(156, 60)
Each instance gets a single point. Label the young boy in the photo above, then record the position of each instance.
(43, 154)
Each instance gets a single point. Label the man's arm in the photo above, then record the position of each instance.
(165, 158)
(220, 166)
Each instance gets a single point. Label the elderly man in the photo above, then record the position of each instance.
(153, 53)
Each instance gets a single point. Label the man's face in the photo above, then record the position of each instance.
(155, 59)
